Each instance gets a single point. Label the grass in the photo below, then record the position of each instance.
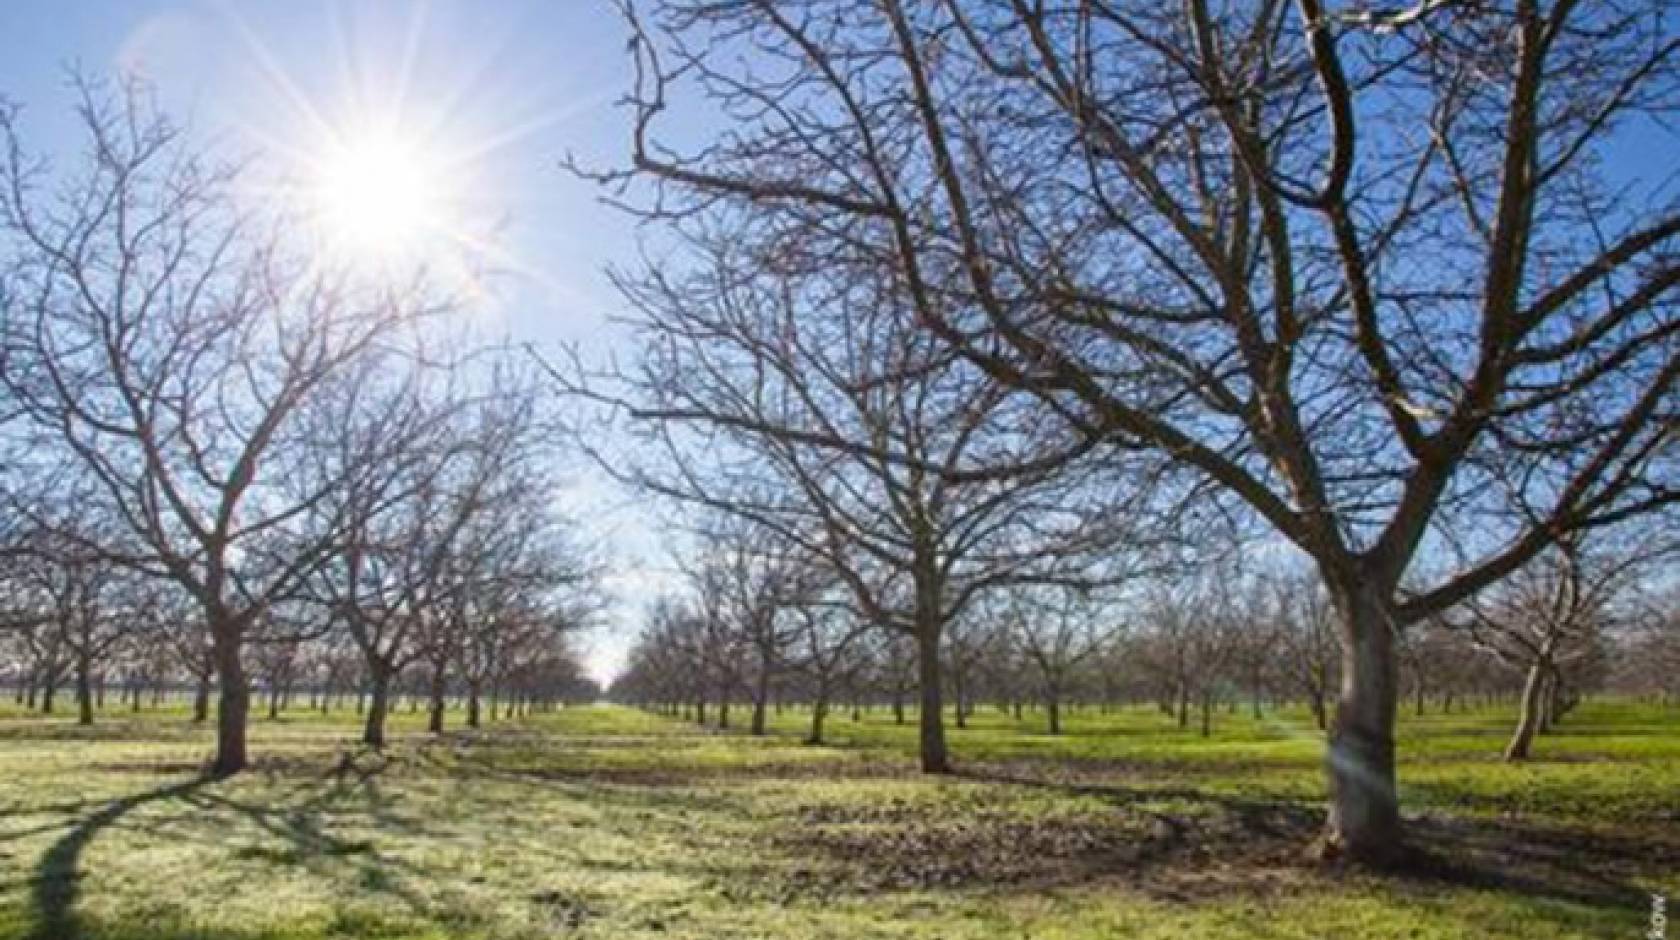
(605, 822)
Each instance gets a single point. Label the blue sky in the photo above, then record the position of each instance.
(503, 88)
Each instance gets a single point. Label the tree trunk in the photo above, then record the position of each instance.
(1364, 819)
(819, 711)
(761, 695)
(1316, 701)
(934, 758)
(434, 718)
(1548, 701)
(379, 704)
(84, 689)
(472, 705)
(235, 703)
(1053, 704)
(201, 701)
(1528, 715)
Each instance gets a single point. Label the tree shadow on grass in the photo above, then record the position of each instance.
(1592, 868)
(294, 818)
(58, 874)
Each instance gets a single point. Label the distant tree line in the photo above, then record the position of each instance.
(754, 635)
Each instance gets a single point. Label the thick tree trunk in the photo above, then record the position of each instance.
(1528, 715)
(235, 703)
(472, 705)
(379, 704)
(1364, 821)
(84, 689)
(933, 754)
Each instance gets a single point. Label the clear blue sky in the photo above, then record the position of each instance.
(504, 87)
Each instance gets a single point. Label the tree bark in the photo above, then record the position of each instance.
(434, 718)
(1364, 820)
(934, 757)
(379, 704)
(1528, 714)
(235, 703)
(84, 689)
(819, 711)
(201, 701)
(761, 695)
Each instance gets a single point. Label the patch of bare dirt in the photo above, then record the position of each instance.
(899, 846)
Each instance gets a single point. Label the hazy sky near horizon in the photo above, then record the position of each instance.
(496, 93)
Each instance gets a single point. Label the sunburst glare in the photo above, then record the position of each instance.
(377, 198)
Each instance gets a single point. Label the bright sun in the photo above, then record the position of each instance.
(377, 198)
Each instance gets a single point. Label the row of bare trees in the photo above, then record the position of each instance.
(993, 292)
(759, 629)
(215, 432)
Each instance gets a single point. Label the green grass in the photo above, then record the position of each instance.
(605, 822)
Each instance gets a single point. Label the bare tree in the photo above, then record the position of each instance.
(1057, 631)
(811, 407)
(1548, 617)
(170, 345)
(1307, 649)
(1362, 271)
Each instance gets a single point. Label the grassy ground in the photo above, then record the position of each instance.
(604, 822)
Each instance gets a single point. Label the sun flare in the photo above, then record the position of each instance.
(377, 198)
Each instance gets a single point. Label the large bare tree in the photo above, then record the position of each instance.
(1394, 279)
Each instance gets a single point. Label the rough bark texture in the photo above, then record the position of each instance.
(379, 705)
(234, 707)
(1364, 820)
(84, 690)
(934, 757)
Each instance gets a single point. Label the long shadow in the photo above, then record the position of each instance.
(1539, 861)
(295, 820)
(57, 876)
